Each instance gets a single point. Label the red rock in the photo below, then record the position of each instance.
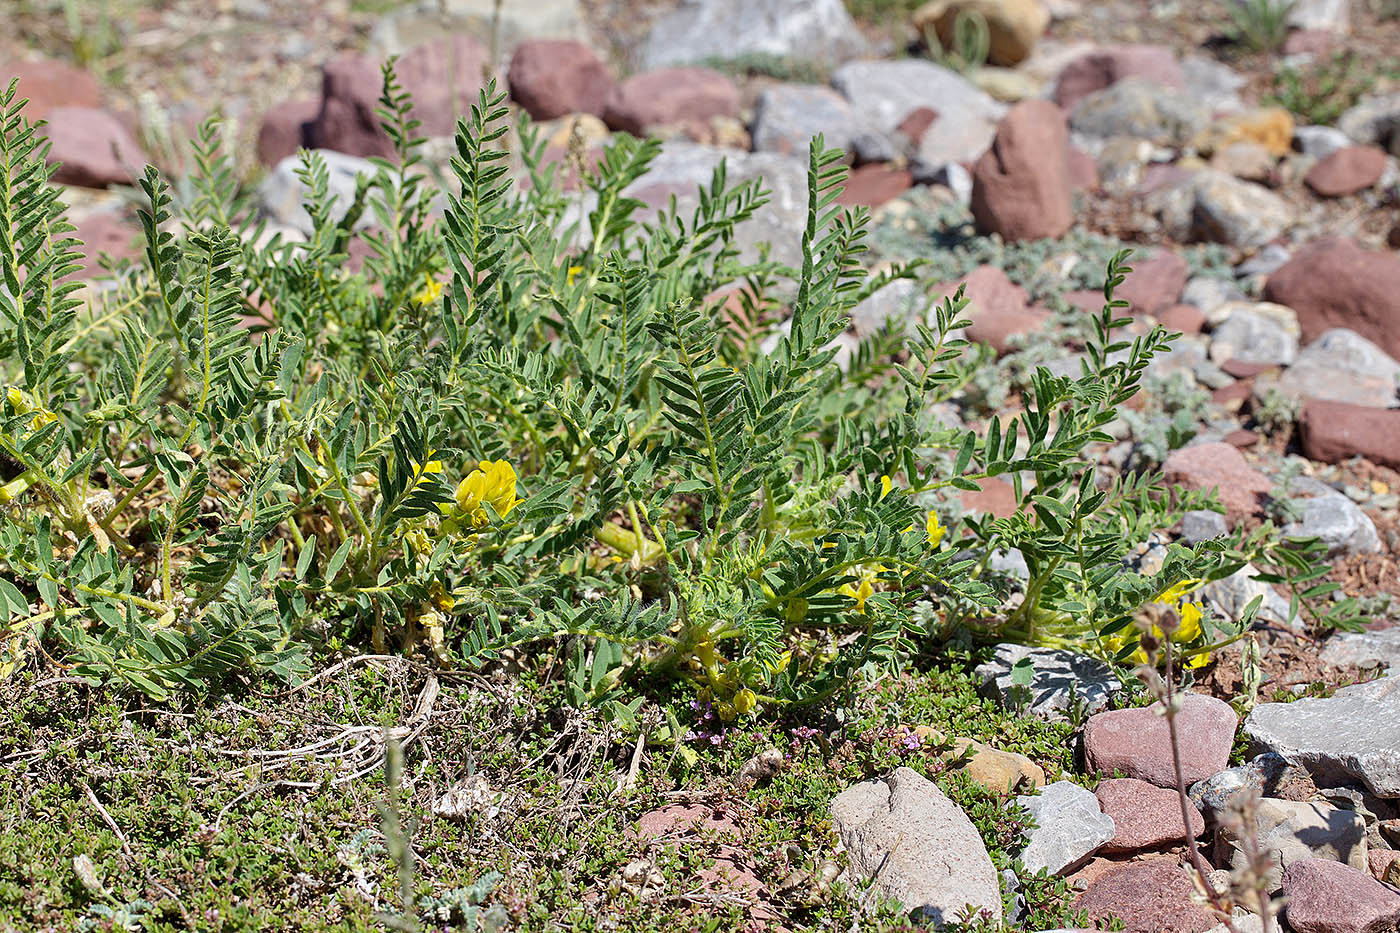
(1150, 896)
(48, 83)
(679, 819)
(1346, 171)
(1335, 431)
(1330, 897)
(1234, 395)
(1158, 176)
(1144, 816)
(106, 232)
(1083, 170)
(874, 184)
(1241, 438)
(285, 129)
(1380, 860)
(1188, 319)
(1155, 282)
(1243, 369)
(1136, 741)
(1088, 300)
(1219, 466)
(996, 497)
(1020, 186)
(916, 123)
(1335, 283)
(997, 308)
(669, 96)
(444, 78)
(1100, 68)
(95, 148)
(554, 77)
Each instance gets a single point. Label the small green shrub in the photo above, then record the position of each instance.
(1320, 92)
(1258, 25)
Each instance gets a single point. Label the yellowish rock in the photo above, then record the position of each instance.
(1005, 84)
(1013, 26)
(994, 769)
(1270, 127)
(591, 130)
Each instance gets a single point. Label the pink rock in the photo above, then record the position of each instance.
(1346, 171)
(1335, 283)
(1221, 467)
(1144, 815)
(1380, 860)
(998, 308)
(678, 819)
(48, 83)
(916, 123)
(1155, 282)
(1329, 897)
(1337, 431)
(1100, 68)
(1020, 186)
(1088, 300)
(285, 129)
(1083, 170)
(995, 496)
(95, 148)
(1136, 741)
(1188, 319)
(874, 184)
(444, 78)
(106, 232)
(1149, 896)
(554, 77)
(669, 96)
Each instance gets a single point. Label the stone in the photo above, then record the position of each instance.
(1069, 828)
(1013, 26)
(106, 232)
(1246, 160)
(94, 148)
(1221, 467)
(885, 92)
(1145, 816)
(901, 301)
(995, 497)
(1020, 186)
(668, 96)
(1335, 431)
(1343, 366)
(48, 83)
(1106, 66)
(997, 308)
(874, 184)
(443, 77)
(1060, 681)
(998, 771)
(787, 116)
(1215, 84)
(1141, 109)
(1318, 142)
(1232, 595)
(1254, 338)
(1187, 319)
(1155, 282)
(1384, 865)
(1083, 170)
(1152, 895)
(1374, 121)
(1322, 15)
(1208, 294)
(699, 30)
(282, 195)
(1268, 775)
(550, 78)
(1136, 741)
(1269, 127)
(1203, 525)
(1366, 650)
(919, 847)
(1008, 85)
(1292, 830)
(1352, 735)
(285, 129)
(1346, 171)
(1333, 282)
(952, 176)
(1328, 897)
(1332, 518)
(1213, 207)
(497, 24)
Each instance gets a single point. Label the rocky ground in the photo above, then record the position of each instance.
(1261, 188)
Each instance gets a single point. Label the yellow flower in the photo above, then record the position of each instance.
(429, 293)
(16, 399)
(884, 486)
(781, 664)
(421, 471)
(859, 593)
(935, 530)
(493, 482)
(744, 701)
(573, 271)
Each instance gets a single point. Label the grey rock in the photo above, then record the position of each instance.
(951, 175)
(1264, 773)
(1010, 562)
(1364, 650)
(1354, 734)
(787, 116)
(887, 91)
(1230, 596)
(1210, 293)
(1201, 525)
(1228, 210)
(1059, 680)
(1343, 366)
(1374, 121)
(919, 846)
(1328, 15)
(1143, 109)
(420, 21)
(1330, 516)
(875, 147)
(282, 195)
(1213, 83)
(1318, 142)
(698, 30)
(1248, 336)
(1123, 162)
(1070, 827)
(900, 300)
(1265, 262)
(1290, 831)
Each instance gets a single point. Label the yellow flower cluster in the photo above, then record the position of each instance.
(21, 405)
(1188, 631)
(429, 293)
(492, 482)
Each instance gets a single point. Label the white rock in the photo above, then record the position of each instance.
(281, 196)
(697, 30)
(1343, 366)
(1070, 827)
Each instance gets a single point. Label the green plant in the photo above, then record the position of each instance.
(1258, 25)
(1320, 92)
(970, 45)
